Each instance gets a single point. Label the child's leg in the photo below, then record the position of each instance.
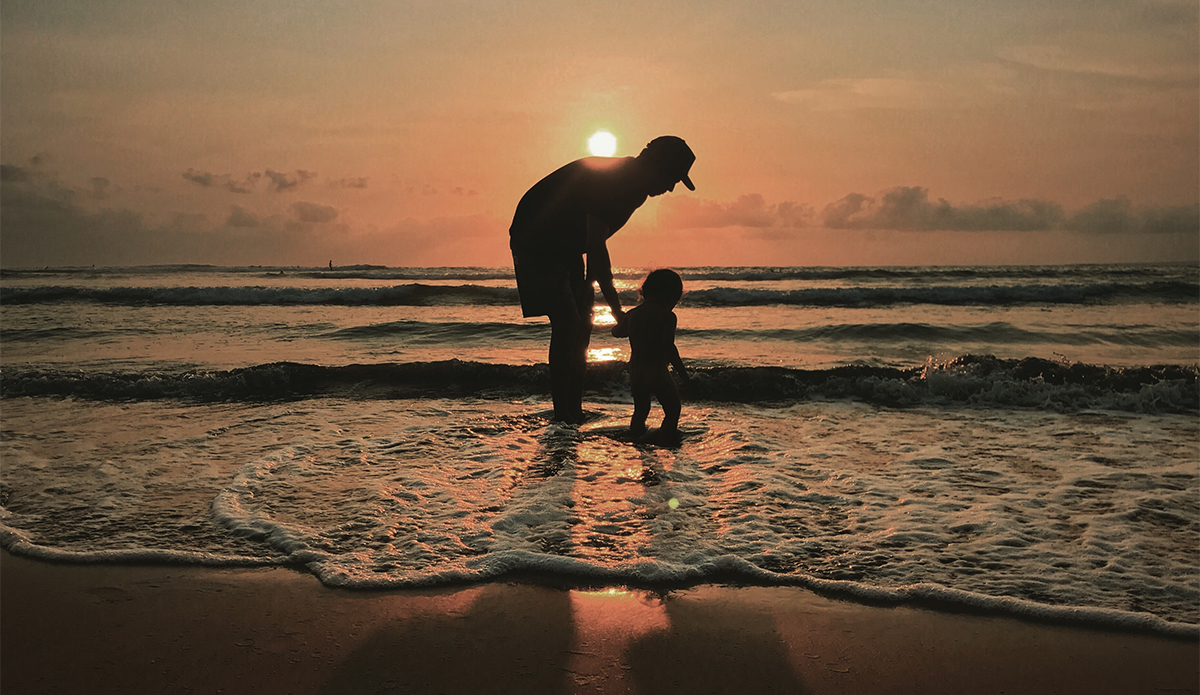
(668, 396)
(641, 400)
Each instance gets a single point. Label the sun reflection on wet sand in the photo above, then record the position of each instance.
(607, 622)
(599, 613)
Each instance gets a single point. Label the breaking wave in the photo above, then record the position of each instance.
(970, 380)
(419, 294)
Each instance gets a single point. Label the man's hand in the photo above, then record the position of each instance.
(621, 328)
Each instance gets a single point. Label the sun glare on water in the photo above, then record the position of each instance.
(602, 144)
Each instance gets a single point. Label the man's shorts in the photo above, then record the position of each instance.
(549, 283)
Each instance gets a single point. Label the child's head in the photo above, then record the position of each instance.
(662, 285)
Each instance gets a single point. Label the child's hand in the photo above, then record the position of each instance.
(621, 328)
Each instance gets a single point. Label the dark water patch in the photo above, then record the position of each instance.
(1171, 291)
(977, 381)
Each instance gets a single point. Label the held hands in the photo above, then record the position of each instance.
(621, 328)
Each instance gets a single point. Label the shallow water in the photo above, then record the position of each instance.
(1021, 439)
(1079, 510)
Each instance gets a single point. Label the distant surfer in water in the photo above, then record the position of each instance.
(566, 216)
(650, 327)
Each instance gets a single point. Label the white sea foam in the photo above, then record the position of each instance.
(1088, 517)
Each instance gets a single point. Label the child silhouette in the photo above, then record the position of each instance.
(650, 327)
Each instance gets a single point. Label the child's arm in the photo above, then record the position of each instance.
(672, 351)
(621, 328)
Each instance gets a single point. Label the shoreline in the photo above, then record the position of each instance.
(180, 628)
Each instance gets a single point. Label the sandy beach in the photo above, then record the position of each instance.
(129, 629)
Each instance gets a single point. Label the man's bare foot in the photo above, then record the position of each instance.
(576, 418)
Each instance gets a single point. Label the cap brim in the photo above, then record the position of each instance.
(688, 182)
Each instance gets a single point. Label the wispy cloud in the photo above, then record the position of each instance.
(1131, 55)
(864, 93)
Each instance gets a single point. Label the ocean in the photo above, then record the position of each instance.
(1016, 439)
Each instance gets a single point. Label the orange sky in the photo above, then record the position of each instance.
(403, 133)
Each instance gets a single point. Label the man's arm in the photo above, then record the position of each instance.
(599, 267)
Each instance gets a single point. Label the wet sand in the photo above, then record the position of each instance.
(168, 628)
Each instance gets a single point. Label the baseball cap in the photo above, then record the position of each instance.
(673, 155)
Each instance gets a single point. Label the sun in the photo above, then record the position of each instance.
(602, 143)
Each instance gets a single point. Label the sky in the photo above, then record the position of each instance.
(403, 133)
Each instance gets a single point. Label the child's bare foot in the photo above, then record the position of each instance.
(662, 437)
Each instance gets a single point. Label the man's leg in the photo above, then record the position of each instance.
(570, 312)
(564, 335)
(583, 298)
(583, 338)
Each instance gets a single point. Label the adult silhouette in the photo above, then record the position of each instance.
(570, 215)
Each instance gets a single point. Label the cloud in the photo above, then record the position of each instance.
(45, 223)
(200, 178)
(42, 225)
(226, 181)
(101, 188)
(13, 174)
(283, 182)
(353, 182)
(909, 208)
(280, 182)
(1120, 216)
(246, 185)
(312, 212)
(838, 215)
(685, 212)
(238, 217)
